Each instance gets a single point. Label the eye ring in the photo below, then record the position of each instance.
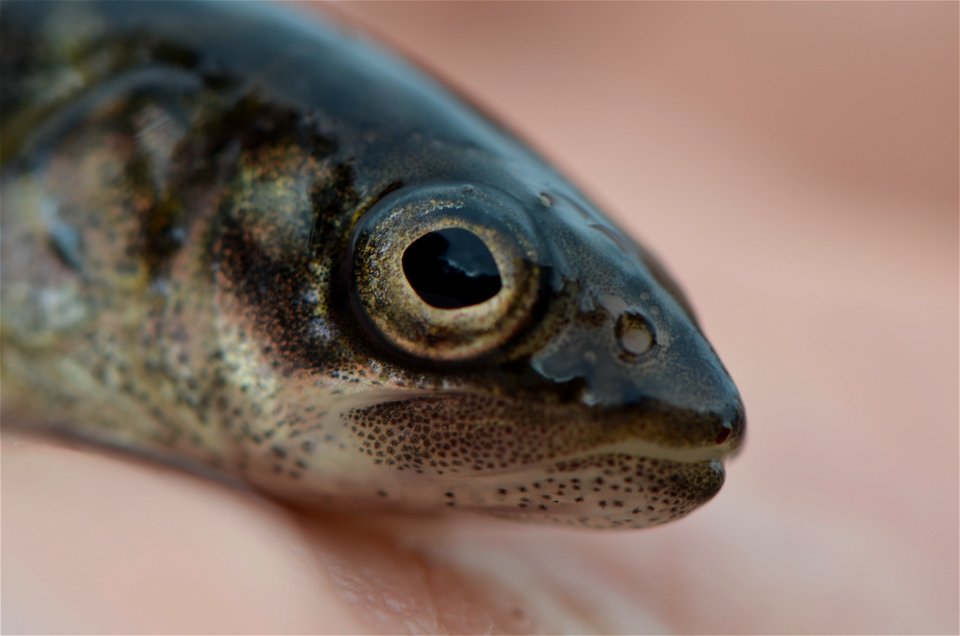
(469, 217)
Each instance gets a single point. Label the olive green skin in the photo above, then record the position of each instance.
(190, 193)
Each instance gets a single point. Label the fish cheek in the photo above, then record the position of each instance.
(279, 229)
(281, 348)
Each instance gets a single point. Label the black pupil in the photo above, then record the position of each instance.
(451, 268)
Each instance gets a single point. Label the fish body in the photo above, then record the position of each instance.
(238, 238)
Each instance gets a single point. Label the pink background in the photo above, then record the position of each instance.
(796, 166)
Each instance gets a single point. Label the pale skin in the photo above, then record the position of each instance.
(836, 314)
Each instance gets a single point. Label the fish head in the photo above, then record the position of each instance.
(534, 362)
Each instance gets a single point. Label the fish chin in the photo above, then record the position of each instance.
(608, 490)
(593, 491)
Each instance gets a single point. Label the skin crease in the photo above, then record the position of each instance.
(796, 166)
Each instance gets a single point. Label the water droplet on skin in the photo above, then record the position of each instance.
(634, 334)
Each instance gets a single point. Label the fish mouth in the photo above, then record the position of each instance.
(656, 429)
(469, 433)
(565, 464)
(656, 465)
(642, 448)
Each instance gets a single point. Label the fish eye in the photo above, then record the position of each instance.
(445, 272)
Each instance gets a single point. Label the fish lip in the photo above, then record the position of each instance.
(639, 448)
(720, 436)
(646, 428)
(677, 433)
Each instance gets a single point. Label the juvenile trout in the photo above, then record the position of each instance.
(237, 237)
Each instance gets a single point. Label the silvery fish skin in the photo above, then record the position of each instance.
(238, 237)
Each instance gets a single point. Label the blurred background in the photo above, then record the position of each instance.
(796, 166)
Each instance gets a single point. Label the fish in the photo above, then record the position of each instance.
(239, 238)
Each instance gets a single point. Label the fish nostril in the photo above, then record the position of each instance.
(634, 334)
